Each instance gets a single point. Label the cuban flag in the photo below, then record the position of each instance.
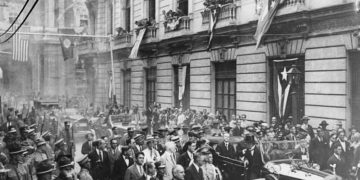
(282, 85)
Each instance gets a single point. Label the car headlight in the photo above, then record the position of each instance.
(273, 168)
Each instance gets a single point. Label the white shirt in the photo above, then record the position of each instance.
(126, 161)
(337, 156)
(151, 155)
(196, 167)
(343, 145)
(140, 169)
(191, 157)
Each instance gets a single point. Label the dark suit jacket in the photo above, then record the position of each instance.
(255, 161)
(340, 168)
(184, 160)
(99, 170)
(318, 152)
(230, 153)
(238, 131)
(132, 173)
(85, 148)
(192, 174)
(120, 168)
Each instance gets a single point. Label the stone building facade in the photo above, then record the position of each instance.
(320, 38)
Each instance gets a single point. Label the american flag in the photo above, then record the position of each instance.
(20, 45)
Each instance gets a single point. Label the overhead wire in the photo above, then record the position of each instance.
(23, 21)
(17, 17)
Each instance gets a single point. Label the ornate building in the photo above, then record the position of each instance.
(306, 64)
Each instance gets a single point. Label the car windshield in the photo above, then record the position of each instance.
(277, 150)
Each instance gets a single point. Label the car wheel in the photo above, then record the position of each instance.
(271, 177)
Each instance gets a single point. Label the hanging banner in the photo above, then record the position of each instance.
(266, 17)
(183, 78)
(282, 84)
(135, 48)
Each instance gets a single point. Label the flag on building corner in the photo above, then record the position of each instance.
(266, 17)
(214, 14)
(67, 43)
(20, 45)
(135, 48)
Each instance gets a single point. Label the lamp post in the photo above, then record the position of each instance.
(295, 75)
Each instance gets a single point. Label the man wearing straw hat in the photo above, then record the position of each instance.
(150, 154)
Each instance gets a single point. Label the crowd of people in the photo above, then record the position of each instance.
(172, 144)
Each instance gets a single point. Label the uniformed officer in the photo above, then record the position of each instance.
(40, 154)
(44, 170)
(19, 170)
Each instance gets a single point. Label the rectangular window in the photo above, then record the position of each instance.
(150, 86)
(127, 88)
(225, 79)
(182, 7)
(152, 10)
(127, 16)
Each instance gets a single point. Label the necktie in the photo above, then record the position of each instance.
(90, 144)
(101, 156)
(201, 173)
(227, 146)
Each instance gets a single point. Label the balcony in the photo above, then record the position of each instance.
(123, 41)
(292, 6)
(86, 46)
(183, 23)
(150, 34)
(227, 13)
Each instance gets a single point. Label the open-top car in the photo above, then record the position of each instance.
(290, 160)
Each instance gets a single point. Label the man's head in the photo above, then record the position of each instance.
(149, 168)
(338, 150)
(293, 130)
(170, 146)
(126, 151)
(210, 158)
(199, 159)
(333, 137)
(139, 157)
(89, 136)
(150, 144)
(226, 137)
(113, 143)
(178, 172)
(100, 144)
(342, 136)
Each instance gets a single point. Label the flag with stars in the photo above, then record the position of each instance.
(282, 85)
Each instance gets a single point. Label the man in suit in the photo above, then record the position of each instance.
(149, 172)
(87, 147)
(238, 130)
(168, 158)
(122, 163)
(345, 145)
(186, 158)
(317, 149)
(338, 162)
(99, 159)
(194, 171)
(226, 149)
(253, 159)
(114, 153)
(292, 134)
(136, 171)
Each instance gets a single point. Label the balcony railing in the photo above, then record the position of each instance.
(184, 23)
(294, 2)
(227, 12)
(151, 32)
(123, 39)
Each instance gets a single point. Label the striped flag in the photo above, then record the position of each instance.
(20, 45)
(135, 48)
(214, 14)
(266, 17)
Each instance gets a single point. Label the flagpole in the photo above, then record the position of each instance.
(112, 68)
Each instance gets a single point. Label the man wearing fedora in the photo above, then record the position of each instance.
(252, 158)
(135, 171)
(307, 127)
(84, 163)
(44, 170)
(323, 126)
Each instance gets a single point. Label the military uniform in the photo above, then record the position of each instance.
(19, 172)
